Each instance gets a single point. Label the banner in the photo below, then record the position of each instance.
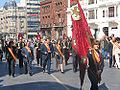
(80, 29)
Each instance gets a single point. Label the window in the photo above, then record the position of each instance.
(103, 13)
(96, 14)
(91, 2)
(91, 14)
(86, 15)
(61, 3)
(58, 15)
(114, 27)
(96, 1)
(111, 11)
(116, 11)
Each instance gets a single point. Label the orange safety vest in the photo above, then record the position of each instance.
(11, 52)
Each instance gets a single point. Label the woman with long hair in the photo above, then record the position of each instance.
(95, 65)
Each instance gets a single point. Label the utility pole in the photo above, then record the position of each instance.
(26, 19)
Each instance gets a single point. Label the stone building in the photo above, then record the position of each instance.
(53, 18)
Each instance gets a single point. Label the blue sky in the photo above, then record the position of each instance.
(2, 2)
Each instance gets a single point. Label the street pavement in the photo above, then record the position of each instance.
(56, 80)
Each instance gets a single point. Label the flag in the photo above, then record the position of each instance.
(80, 29)
(80, 36)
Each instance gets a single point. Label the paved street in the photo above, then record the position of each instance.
(57, 80)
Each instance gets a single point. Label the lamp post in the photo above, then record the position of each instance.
(26, 19)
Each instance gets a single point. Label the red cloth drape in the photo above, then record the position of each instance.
(80, 28)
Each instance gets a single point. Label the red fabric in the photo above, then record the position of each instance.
(80, 27)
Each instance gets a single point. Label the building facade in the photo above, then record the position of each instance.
(1, 11)
(102, 15)
(12, 20)
(53, 18)
(33, 16)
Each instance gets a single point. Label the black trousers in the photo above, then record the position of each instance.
(75, 63)
(28, 66)
(41, 63)
(20, 63)
(11, 67)
(93, 79)
(20, 57)
(66, 55)
(110, 61)
(114, 61)
(47, 62)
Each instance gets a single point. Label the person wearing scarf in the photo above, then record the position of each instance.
(59, 56)
(27, 58)
(11, 58)
(46, 55)
(95, 65)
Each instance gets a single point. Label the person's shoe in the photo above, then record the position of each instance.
(110, 67)
(62, 72)
(43, 71)
(113, 65)
(49, 73)
(74, 70)
(31, 74)
(9, 74)
(26, 72)
(118, 67)
(13, 75)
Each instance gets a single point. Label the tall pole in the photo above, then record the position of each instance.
(16, 20)
(26, 19)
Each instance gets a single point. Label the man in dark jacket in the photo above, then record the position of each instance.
(11, 58)
(46, 55)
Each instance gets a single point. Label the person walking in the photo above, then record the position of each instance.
(95, 65)
(116, 53)
(27, 58)
(20, 45)
(65, 50)
(38, 54)
(46, 55)
(11, 58)
(110, 51)
(59, 56)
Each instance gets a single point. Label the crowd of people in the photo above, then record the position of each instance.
(44, 50)
(110, 48)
